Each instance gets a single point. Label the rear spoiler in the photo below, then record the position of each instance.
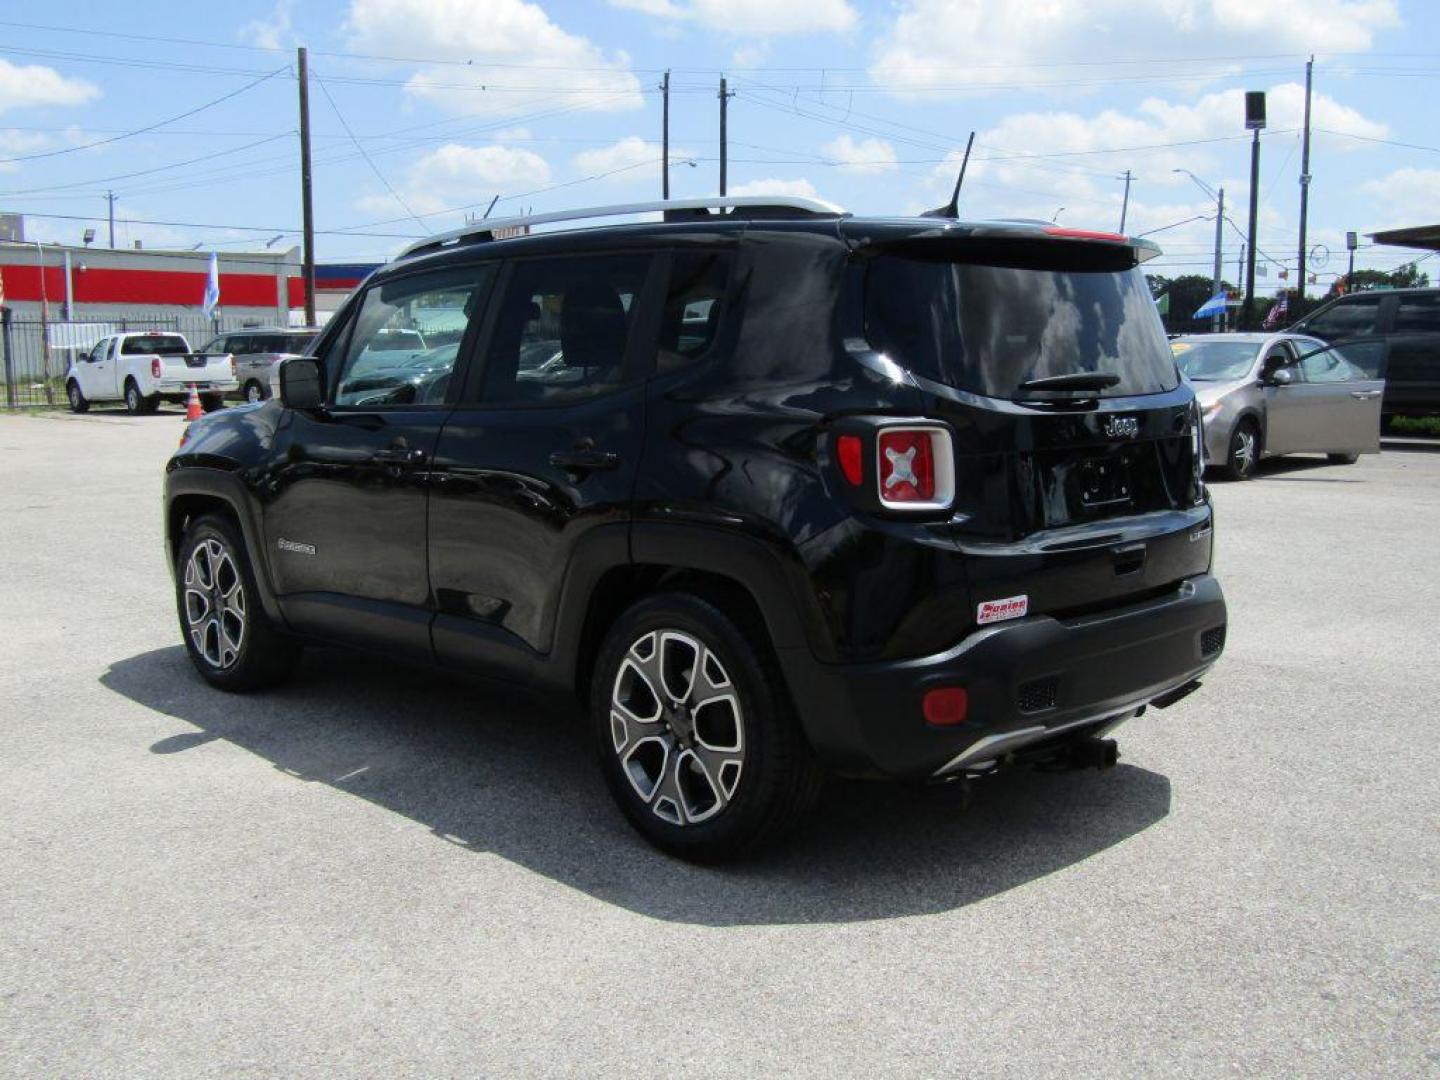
(1036, 243)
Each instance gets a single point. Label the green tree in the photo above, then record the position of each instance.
(1408, 276)
(1186, 293)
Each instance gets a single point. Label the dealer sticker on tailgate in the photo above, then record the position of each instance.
(1012, 607)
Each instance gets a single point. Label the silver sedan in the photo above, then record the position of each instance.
(1269, 394)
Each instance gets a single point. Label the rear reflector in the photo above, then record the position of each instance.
(915, 468)
(849, 451)
(946, 706)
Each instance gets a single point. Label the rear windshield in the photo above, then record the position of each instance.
(987, 329)
(155, 345)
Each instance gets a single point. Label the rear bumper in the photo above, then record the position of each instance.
(179, 388)
(1028, 681)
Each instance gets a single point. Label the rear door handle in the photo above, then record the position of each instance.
(398, 455)
(584, 460)
(1365, 395)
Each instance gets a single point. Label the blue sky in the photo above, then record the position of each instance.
(424, 109)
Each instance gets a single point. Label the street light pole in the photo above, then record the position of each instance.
(1219, 197)
(1254, 120)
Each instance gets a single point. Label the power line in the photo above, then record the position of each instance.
(150, 127)
(147, 172)
(368, 159)
(287, 230)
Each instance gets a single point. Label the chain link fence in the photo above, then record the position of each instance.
(34, 375)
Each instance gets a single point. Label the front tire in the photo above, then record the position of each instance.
(231, 641)
(78, 402)
(1243, 457)
(1342, 459)
(695, 731)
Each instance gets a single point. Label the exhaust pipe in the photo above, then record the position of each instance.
(1093, 753)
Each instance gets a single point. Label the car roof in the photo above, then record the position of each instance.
(465, 245)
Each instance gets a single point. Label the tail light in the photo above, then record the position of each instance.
(232, 367)
(155, 368)
(850, 452)
(915, 468)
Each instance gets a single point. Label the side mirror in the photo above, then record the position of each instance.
(300, 384)
(1281, 377)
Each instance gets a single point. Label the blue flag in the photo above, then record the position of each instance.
(1214, 306)
(212, 285)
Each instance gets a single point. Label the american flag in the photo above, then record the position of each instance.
(1277, 313)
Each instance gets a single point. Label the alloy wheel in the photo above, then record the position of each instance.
(214, 604)
(1242, 452)
(73, 392)
(252, 393)
(132, 398)
(677, 727)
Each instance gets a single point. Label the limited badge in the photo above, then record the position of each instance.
(1012, 607)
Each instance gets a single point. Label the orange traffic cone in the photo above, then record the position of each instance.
(193, 411)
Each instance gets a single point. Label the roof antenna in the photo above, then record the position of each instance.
(952, 208)
(490, 207)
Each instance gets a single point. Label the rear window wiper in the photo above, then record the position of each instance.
(1079, 380)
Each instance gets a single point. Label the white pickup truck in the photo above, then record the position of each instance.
(142, 369)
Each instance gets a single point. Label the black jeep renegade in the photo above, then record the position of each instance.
(775, 490)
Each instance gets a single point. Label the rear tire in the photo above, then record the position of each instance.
(232, 643)
(78, 403)
(1342, 459)
(723, 768)
(1243, 456)
(136, 403)
(254, 392)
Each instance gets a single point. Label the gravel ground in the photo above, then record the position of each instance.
(378, 871)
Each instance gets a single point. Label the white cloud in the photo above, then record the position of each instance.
(752, 18)
(32, 84)
(513, 134)
(867, 156)
(1405, 197)
(974, 43)
(272, 32)
(459, 175)
(630, 153)
(773, 186)
(537, 59)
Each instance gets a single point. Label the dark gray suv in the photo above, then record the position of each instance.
(1408, 322)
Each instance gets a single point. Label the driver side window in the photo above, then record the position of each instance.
(402, 346)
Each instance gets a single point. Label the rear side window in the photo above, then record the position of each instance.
(694, 305)
(154, 345)
(295, 343)
(240, 344)
(988, 329)
(1418, 314)
(563, 327)
(1355, 317)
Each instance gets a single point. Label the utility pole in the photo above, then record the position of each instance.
(307, 212)
(1125, 203)
(1254, 120)
(724, 100)
(110, 198)
(665, 137)
(1219, 244)
(1304, 190)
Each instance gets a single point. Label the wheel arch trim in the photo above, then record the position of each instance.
(188, 488)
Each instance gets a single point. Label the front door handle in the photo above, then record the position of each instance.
(398, 455)
(584, 459)
(1365, 395)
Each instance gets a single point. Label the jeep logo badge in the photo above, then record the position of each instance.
(1122, 427)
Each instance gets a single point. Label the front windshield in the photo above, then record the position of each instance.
(1214, 361)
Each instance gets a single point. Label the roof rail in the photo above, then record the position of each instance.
(682, 209)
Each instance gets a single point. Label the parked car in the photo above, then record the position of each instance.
(1408, 322)
(258, 353)
(1269, 394)
(803, 493)
(143, 369)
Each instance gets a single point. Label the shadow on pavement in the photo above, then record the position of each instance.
(490, 771)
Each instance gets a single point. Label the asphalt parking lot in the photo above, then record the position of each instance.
(377, 871)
